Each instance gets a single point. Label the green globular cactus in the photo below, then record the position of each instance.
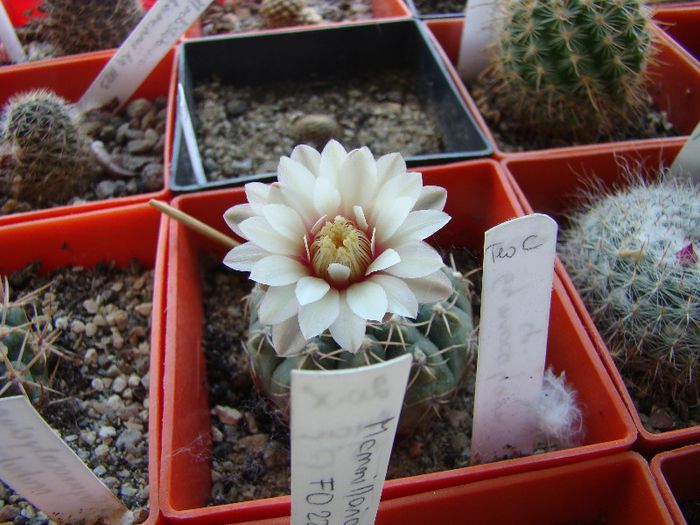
(51, 158)
(574, 67)
(632, 257)
(78, 26)
(440, 339)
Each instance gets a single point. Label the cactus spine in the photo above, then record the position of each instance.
(77, 26)
(631, 257)
(576, 66)
(440, 340)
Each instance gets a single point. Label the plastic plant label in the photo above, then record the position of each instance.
(189, 136)
(9, 38)
(515, 300)
(478, 34)
(687, 162)
(147, 44)
(41, 468)
(343, 424)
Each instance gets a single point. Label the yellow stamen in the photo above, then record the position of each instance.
(341, 242)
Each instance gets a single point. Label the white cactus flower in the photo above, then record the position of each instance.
(339, 240)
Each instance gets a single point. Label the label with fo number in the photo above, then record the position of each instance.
(343, 424)
(515, 301)
(41, 468)
(687, 163)
(147, 44)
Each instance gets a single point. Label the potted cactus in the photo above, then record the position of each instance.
(81, 335)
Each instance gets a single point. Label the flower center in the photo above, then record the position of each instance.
(340, 242)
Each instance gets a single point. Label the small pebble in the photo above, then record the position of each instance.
(119, 384)
(228, 415)
(106, 432)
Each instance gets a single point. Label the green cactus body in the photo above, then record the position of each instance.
(439, 339)
(78, 26)
(574, 66)
(631, 257)
(51, 157)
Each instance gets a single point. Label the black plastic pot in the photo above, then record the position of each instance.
(264, 58)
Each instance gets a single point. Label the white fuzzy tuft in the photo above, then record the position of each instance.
(560, 420)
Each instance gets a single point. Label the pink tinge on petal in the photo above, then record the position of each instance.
(687, 256)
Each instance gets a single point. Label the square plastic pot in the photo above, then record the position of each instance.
(550, 184)
(104, 235)
(382, 11)
(676, 473)
(277, 56)
(674, 86)
(479, 197)
(70, 77)
(681, 25)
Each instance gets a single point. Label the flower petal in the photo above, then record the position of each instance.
(391, 216)
(285, 221)
(367, 300)
(307, 157)
(386, 259)
(235, 215)
(244, 256)
(408, 185)
(278, 270)
(258, 230)
(332, 158)
(257, 193)
(295, 181)
(389, 166)
(431, 198)
(431, 288)
(419, 225)
(402, 301)
(278, 304)
(326, 198)
(417, 260)
(311, 289)
(357, 180)
(338, 273)
(360, 218)
(287, 338)
(314, 318)
(348, 330)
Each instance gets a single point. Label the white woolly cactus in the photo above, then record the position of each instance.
(632, 257)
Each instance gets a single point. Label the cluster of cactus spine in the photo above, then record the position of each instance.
(285, 13)
(51, 157)
(631, 255)
(26, 343)
(440, 339)
(575, 67)
(78, 26)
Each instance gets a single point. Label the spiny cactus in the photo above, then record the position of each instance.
(284, 13)
(632, 257)
(51, 159)
(25, 345)
(440, 340)
(575, 67)
(78, 26)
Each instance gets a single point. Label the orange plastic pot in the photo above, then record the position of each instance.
(119, 235)
(479, 197)
(674, 85)
(676, 473)
(70, 77)
(550, 185)
(681, 24)
(382, 10)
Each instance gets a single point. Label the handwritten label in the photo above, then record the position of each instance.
(41, 468)
(478, 34)
(9, 39)
(515, 300)
(343, 424)
(148, 43)
(687, 163)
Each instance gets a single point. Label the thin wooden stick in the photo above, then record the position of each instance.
(193, 223)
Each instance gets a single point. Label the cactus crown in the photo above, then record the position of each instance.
(627, 253)
(78, 26)
(440, 339)
(576, 66)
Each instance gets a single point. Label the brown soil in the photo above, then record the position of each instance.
(439, 7)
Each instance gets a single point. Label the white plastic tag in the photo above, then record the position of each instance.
(9, 39)
(515, 301)
(343, 424)
(478, 34)
(687, 163)
(147, 44)
(190, 137)
(41, 468)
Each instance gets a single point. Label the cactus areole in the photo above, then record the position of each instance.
(345, 278)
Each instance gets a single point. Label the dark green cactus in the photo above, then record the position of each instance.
(574, 67)
(78, 26)
(51, 158)
(440, 340)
